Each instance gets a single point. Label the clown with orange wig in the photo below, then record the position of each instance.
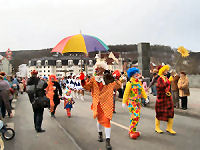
(54, 93)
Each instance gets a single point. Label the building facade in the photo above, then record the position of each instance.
(61, 66)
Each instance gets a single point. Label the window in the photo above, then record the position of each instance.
(79, 63)
(90, 62)
(44, 66)
(46, 62)
(44, 71)
(48, 70)
(70, 62)
(48, 66)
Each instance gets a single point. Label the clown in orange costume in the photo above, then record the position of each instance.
(102, 93)
(54, 93)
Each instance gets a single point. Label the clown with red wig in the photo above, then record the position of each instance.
(54, 93)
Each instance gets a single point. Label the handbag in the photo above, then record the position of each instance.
(186, 91)
(41, 101)
(30, 89)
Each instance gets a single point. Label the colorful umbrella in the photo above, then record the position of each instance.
(80, 43)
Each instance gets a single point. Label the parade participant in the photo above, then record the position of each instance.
(54, 93)
(132, 98)
(72, 82)
(68, 102)
(38, 112)
(102, 86)
(76, 88)
(68, 82)
(164, 104)
(80, 90)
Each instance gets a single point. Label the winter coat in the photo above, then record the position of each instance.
(183, 85)
(174, 82)
(102, 96)
(164, 105)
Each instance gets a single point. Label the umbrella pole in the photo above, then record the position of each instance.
(81, 63)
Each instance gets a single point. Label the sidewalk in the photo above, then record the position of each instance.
(193, 104)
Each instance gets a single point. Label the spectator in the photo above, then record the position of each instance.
(184, 92)
(174, 88)
(152, 85)
(4, 97)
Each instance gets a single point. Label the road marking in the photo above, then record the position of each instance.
(119, 125)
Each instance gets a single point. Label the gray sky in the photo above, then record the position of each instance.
(38, 24)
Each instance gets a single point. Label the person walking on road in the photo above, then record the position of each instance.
(184, 92)
(38, 112)
(102, 87)
(164, 104)
(54, 93)
(174, 88)
(68, 102)
(133, 94)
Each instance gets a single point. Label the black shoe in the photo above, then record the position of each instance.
(40, 130)
(114, 112)
(53, 116)
(100, 137)
(108, 146)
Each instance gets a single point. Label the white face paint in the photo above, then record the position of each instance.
(136, 76)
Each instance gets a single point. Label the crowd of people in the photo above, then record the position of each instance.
(105, 86)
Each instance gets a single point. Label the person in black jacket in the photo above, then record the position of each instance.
(54, 93)
(38, 92)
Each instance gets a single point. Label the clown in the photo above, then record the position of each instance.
(68, 102)
(102, 86)
(164, 104)
(54, 93)
(132, 98)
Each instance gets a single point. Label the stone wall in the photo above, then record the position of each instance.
(194, 81)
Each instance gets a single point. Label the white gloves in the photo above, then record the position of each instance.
(147, 101)
(123, 105)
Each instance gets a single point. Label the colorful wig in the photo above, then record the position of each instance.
(163, 69)
(34, 72)
(132, 71)
(52, 76)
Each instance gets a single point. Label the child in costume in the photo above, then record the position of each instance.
(164, 104)
(132, 98)
(102, 86)
(68, 102)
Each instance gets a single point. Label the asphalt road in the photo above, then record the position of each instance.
(79, 131)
